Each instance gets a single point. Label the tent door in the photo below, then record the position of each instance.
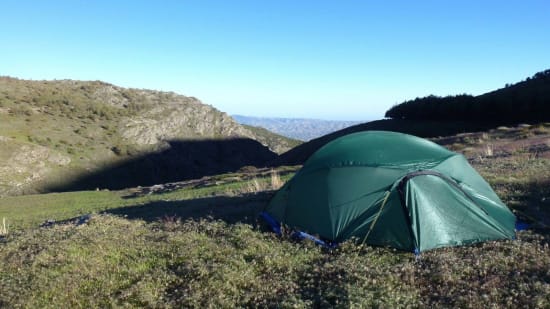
(440, 213)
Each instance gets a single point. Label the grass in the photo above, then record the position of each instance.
(196, 264)
(29, 211)
(524, 186)
(113, 261)
(199, 245)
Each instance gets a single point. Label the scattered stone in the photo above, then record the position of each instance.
(83, 219)
(48, 223)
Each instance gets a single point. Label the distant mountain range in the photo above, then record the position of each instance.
(303, 129)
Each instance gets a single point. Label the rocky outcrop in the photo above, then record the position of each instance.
(180, 120)
(24, 164)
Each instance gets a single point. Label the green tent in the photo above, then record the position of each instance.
(392, 189)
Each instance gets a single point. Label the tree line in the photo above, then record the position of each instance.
(525, 101)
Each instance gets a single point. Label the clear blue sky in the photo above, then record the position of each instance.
(319, 59)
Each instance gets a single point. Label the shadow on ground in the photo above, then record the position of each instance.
(231, 209)
(182, 160)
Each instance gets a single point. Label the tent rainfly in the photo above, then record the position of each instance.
(391, 189)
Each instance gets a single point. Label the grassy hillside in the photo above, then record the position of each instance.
(198, 244)
(525, 101)
(54, 131)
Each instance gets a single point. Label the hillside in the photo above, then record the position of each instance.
(297, 128)
(525, 101)
(52, 132)
(279, 143)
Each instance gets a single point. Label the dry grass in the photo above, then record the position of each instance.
(256, 185)
(276, 182)
(488, 150)
(4, 229)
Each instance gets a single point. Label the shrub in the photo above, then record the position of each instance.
(118, 150)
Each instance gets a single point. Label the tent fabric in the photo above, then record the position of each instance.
(420, 195)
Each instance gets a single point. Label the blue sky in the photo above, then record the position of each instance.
(318, 59)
